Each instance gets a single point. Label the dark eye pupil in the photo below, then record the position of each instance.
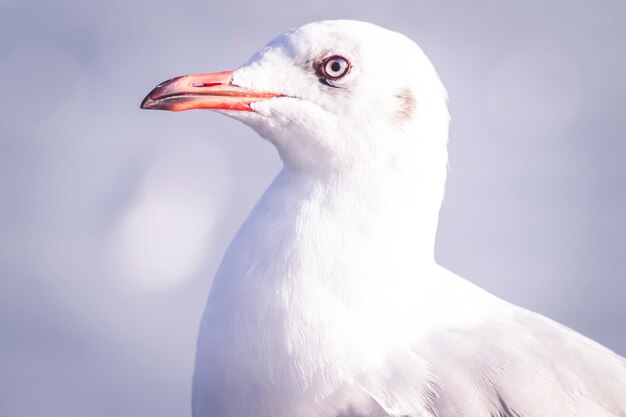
(335, 66)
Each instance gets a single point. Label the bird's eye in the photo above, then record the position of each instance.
(335, 67)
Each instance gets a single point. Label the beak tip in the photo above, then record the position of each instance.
(147, 103)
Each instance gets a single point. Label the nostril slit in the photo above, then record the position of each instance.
(209, 84)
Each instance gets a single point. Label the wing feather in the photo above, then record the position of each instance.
(516, 365)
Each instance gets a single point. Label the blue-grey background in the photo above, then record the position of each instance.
(113, 220)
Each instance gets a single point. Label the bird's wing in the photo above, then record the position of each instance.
(518, 365)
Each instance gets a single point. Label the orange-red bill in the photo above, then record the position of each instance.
(203, 91)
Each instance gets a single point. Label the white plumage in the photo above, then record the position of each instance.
(329, 302)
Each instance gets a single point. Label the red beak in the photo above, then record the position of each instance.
(203, 91)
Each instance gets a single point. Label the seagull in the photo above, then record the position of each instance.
(329, 302)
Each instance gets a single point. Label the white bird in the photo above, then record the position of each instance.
(328, 301)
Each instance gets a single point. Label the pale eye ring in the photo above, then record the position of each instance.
(335, 67)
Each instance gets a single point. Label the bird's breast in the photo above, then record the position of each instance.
(309, 290)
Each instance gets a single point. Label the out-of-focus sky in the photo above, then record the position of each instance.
(113, 220)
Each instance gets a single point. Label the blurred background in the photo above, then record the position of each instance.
(113, 220)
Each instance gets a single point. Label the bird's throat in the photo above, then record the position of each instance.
(338, 228)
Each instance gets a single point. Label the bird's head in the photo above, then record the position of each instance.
(332, 94)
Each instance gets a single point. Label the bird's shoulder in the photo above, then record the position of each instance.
(512, 362)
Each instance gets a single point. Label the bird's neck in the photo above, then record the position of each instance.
(354, 224)
(389, 205)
